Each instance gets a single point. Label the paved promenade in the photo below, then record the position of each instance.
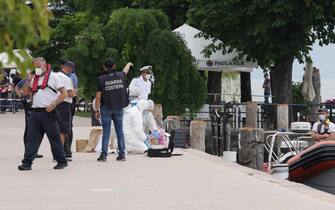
(193, 181)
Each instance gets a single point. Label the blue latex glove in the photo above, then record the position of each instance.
(156, 134)
(147, 143)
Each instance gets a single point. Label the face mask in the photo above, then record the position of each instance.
(322, 117)
(147, 76)
(38, 71)
(133, 103)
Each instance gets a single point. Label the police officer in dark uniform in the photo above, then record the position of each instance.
(48, 91)
(113, 97)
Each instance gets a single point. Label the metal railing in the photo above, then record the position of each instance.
(10, 103)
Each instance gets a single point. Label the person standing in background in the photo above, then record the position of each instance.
(267, 88)
(64, 108)
(143, 82)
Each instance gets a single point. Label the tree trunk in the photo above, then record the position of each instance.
(281, 81)
(317, 100)
(245, 87)
(214, 86)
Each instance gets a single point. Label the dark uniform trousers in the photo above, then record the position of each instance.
(69, 138)
(26, 107)
(41, 122)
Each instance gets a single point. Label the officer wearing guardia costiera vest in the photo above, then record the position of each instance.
(111, 98)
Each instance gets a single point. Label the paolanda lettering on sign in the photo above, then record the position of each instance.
(225, 63)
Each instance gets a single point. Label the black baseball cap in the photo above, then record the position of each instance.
(109, 63)
(323, 109)
(71, 65)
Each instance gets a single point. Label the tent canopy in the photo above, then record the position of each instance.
(217, 61)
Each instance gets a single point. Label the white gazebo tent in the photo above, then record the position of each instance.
(229, 63)
(217, 61)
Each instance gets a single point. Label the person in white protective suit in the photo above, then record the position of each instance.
(134, 93)
(149, 123)
(135, 138)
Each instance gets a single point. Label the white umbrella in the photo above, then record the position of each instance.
(307, 85)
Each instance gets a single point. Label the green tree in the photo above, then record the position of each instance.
(272, 32)
(63, 36)
(176, 10)
(88, 53)
(143, 37)
(21, 26)
(128, 31)
(178, 84)
(103, 8)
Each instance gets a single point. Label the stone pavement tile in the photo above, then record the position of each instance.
(191, 181)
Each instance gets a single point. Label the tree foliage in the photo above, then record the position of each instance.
(88, 53)
(143, 37)
(272, 32)
(178, 83)
(176, 10)
(63, 36)
(103, 8)
(297, 97)
(21, 26)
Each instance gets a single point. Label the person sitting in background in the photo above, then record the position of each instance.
(324, 129)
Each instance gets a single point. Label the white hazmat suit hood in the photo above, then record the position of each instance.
(149, 123)
(133, 127)
(142, 105)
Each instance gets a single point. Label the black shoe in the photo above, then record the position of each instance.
(38, 156)
(24, 167)
(102, 158)
(68, 157)
(121, 158)
(60, 165)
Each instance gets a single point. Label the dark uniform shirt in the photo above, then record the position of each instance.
(266, 86)
(112, 86)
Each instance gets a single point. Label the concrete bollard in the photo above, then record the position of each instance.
(251, 115)
(282, 117)
(198, 134)
(93, 139)
(251, 152)
(81, 144)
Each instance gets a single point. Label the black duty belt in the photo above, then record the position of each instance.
(38, 109)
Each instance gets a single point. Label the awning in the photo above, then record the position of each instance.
(217, 61)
